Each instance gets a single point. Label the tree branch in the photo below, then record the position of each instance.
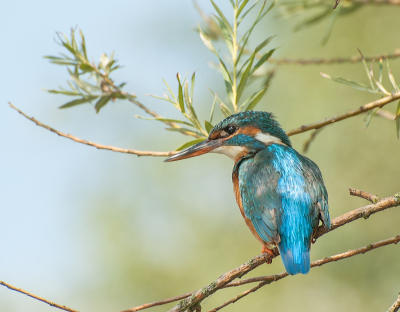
(38, 298)
(99, 146)
(266, 280)
(335, 60)
(372, 198)
(395, 306)
(316, 125)
(194, 298)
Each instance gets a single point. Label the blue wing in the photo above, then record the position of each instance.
(284, 196)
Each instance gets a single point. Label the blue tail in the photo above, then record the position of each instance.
(295, 260)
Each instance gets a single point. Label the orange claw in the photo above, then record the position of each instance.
(269, 251)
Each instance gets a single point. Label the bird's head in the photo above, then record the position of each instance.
(238, 135)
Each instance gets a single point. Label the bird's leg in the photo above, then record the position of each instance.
(264, 249)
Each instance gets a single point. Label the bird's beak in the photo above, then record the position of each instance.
(196, 150)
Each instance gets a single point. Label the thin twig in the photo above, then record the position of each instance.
(266, 280)
(99, 146)
(316, 125)
(38, 298)
(372, 198)
(386, 114)
(377, 2)
(329, 61)
(336, 4)
(395, 306)
(226, 280)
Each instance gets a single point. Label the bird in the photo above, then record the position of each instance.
(280, 193)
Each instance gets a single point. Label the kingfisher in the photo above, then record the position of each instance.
(280, 193)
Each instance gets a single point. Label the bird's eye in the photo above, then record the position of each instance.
(230, 129)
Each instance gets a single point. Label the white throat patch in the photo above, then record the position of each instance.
(231, 151)
(266, 138)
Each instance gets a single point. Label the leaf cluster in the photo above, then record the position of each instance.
(375, 86)
(88, 81)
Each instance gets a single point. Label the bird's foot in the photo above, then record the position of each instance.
(269, 251)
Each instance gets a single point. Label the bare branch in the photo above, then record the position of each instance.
(372, 198)
(329, 61)
(266, 280)
(386, 114)
(316, 125)
(395, 306)
(38, 298)
(99, 146)
(193, 299)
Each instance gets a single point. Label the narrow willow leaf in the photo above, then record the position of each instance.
(263, 44)
(64, 63)
(247, 12)
(70, 93)
(186, 131)
(380, 70)
(242, 6)
(381, 87)
(192, 86)
(189, 144)
(226, 35)
(190, 110)
(172, 94)
(232, 3)
(350, 83)
(165, 120)
(369, 74)
(244, 78)
(228, 81)
(83, 44)
(263, 59)
(161, 98)
(86, 68)
(207, 42)
(334, 16)
(397, 113)
(315, 19)
(370, 117)
(225, 110)
(257, 97)
(180, 95)
(208, 126)
(101, 102)
(79, 101)
(391, 77)
(227, 25)
(213, 107)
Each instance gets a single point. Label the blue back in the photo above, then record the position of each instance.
(284, 196)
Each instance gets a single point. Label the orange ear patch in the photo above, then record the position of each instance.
(249, 130)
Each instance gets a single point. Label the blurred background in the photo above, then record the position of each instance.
(103, 231)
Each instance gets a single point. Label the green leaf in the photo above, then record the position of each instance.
(243, 80)
(172, 94)
(397, 113)
(263, 44)
(370, 117)
(380, 69)
(257, 97)
(190, 110)
(101, 102)
(350, 83)
(189, 144)
(208, 126)
(86, 68)
(263, 59)
(79, 101)
(247, 12)
(213, 107)
(165, 120)
(334, 16)
(186, 131)
(391, 77)
(315, 19)
(161, 98)
(207, 42)
(70, 93)
(180, 95)
(225, 34)
(227, 25)
(225, 110)
(192, 87)
(228, 81)
(369, 74)
(244, 3)
(83, 44)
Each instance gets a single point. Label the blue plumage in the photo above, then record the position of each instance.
(281, 193)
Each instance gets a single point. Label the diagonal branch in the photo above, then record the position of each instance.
(266, 280)
(335, 60)
(195, 298)
(37, 297)
(395, 306)
(99, 146)
(316, 125)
